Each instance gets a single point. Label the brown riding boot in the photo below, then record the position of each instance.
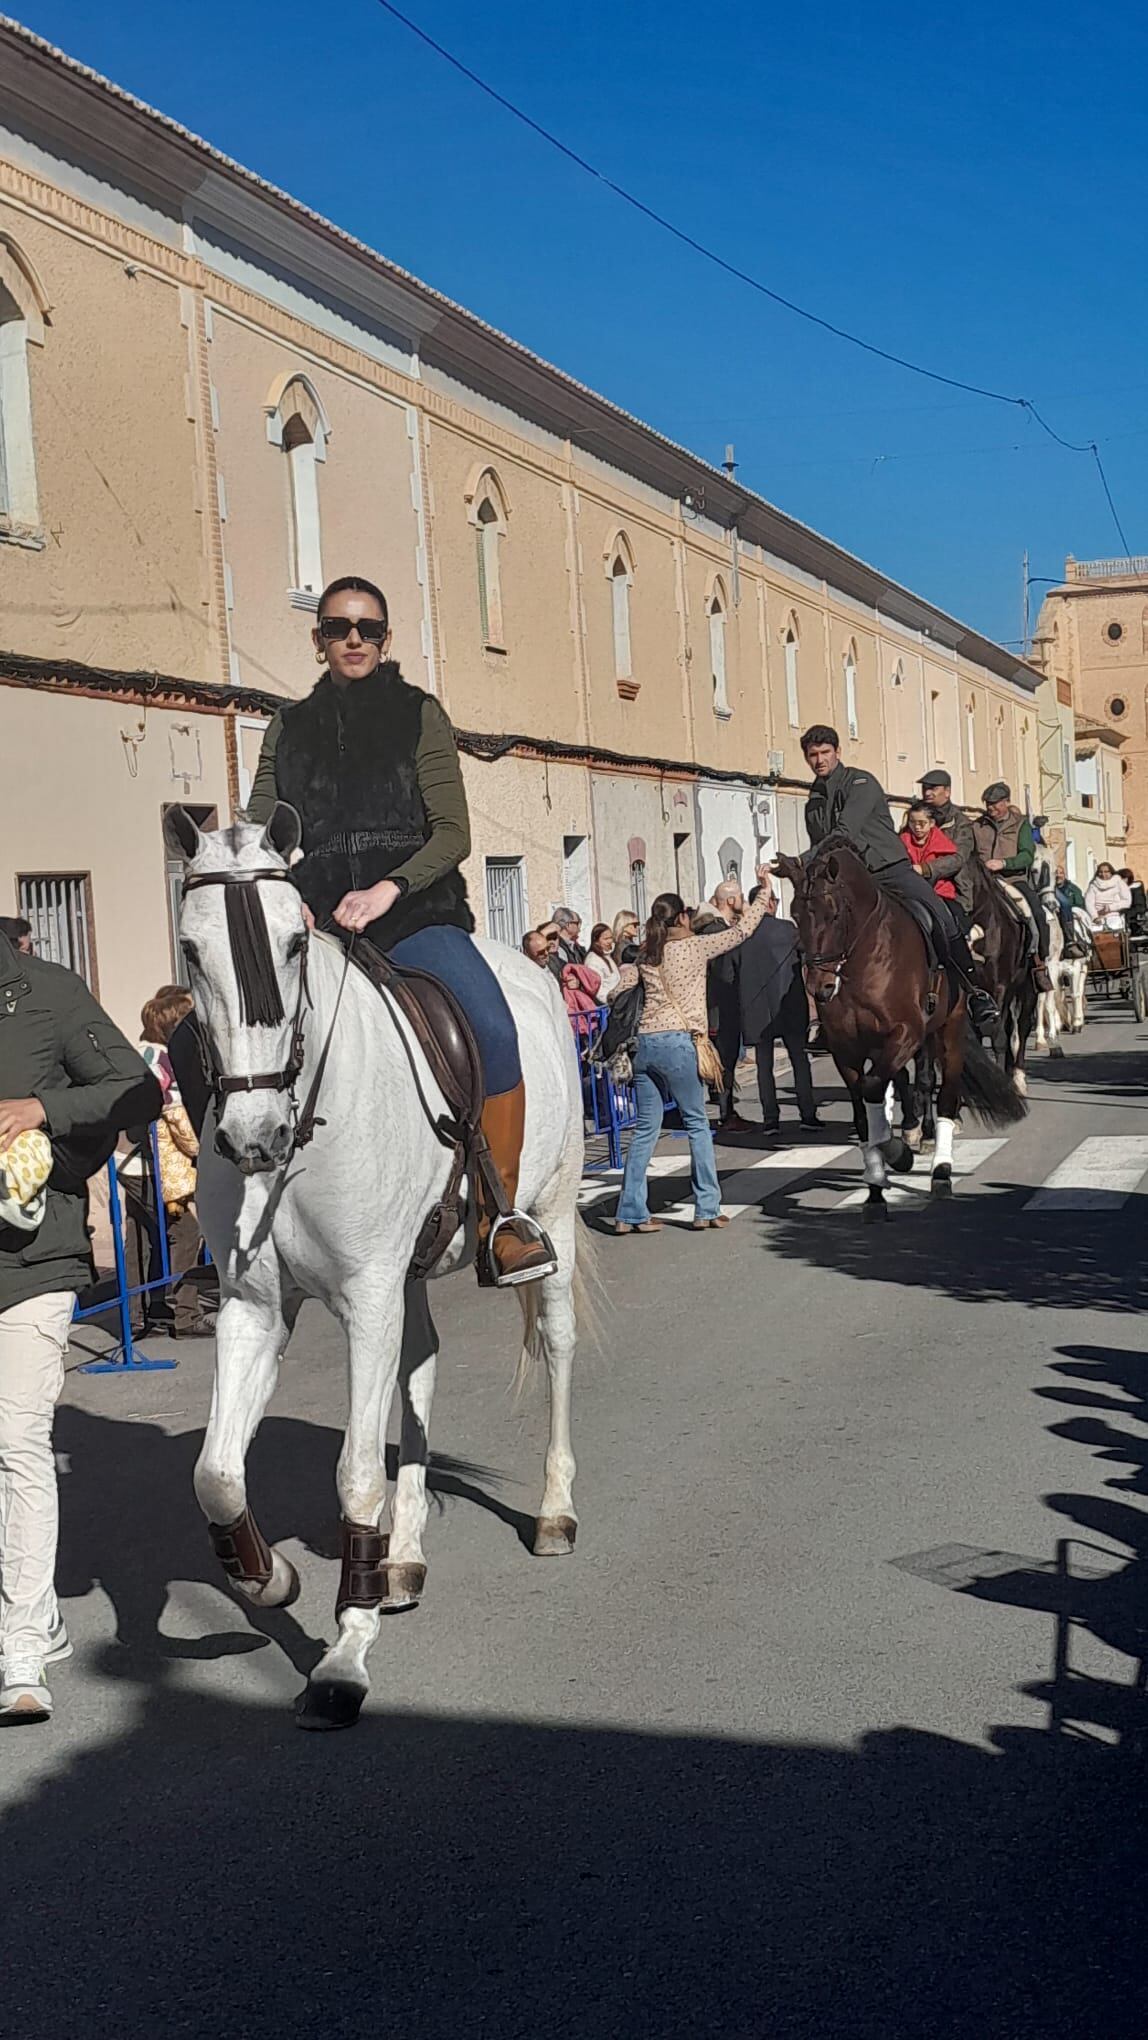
(511, 1247)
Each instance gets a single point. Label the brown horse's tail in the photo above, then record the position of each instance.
(987, 1091)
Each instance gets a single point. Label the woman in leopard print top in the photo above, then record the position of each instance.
(673, 968)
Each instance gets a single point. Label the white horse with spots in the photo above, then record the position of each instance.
(337, 1218)
(1062, 1009)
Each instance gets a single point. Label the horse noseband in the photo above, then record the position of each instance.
(822, 993)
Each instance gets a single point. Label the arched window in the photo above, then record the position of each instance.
(716, 615)
(488, 512)
(23, 311)
(850, 669)
(897, 676)
(297, 425)
(791, 642)
(971, 734)
(1000, 743)
(620, 574)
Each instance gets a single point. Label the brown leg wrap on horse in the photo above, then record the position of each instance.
(363, 1580)
(242, 1549)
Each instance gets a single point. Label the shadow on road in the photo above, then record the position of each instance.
(977, 1249)
(211, 1870)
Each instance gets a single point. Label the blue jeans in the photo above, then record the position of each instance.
(672, 1060)
(449, 953)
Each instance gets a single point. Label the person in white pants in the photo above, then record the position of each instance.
(33, 1341)
(69, 1085)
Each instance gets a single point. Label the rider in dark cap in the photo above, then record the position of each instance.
(937, 792)
(844, 798)
(1004, 840)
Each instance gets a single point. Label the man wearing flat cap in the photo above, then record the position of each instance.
(1004, 839)
(937, 793)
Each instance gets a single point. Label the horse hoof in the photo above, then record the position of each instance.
(1055, 1050)
(277, 1592)
(405, 1584)
(899, 1156)
(941, 1184)
(875, 1214)
(554, 1536)
(913, 1139)
(328, 1703)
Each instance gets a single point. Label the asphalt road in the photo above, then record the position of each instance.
(829, 1728)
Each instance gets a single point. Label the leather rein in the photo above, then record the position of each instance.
(224, 1086)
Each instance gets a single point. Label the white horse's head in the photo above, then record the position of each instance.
(245, 940)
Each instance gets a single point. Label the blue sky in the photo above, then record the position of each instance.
(966, 189)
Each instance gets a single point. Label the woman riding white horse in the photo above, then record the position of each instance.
(316, 1180)
(370, 765)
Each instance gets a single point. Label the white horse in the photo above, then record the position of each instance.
(288, 1026)
(1048, 1008)
(1062, 1009)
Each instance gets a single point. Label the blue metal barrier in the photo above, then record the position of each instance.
(126, 1357)
(611, 1108)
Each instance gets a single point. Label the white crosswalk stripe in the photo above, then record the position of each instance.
(1099, 1175)
(795, 1160)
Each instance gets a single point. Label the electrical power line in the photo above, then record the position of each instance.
(743, 275)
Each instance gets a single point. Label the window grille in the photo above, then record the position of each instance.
(58, 907)
(638, 891)
(505, 900)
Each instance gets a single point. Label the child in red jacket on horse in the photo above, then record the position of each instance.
(924, 841)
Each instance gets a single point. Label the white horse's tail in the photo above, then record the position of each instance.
(589, 1299)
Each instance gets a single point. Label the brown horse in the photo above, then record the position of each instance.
(879, 1003)
(1005, 972)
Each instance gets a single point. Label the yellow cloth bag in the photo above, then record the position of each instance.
(25, 1167)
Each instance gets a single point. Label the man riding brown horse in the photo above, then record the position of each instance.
(881, 997)
(1007, 849)
(844, 800)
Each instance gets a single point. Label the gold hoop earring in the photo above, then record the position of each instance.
(320, 656)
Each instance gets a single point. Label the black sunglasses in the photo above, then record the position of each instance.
(372, 629)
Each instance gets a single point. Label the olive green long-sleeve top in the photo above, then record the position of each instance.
(440, 784)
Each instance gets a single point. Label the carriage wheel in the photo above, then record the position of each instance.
(1140, 992)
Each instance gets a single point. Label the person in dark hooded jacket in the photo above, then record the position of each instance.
(774, 1007)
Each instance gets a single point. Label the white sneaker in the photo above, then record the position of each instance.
(59, 1647)
(24, 1695)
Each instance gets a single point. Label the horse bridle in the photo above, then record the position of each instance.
(224, 1086)
(836, 964)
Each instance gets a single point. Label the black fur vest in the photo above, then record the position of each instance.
(346, 762)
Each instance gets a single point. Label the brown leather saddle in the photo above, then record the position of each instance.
(446, 1039)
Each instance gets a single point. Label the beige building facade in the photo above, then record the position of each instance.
(1092, 646)
(214, 401)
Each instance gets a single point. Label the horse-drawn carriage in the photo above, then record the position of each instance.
(1118, 967)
